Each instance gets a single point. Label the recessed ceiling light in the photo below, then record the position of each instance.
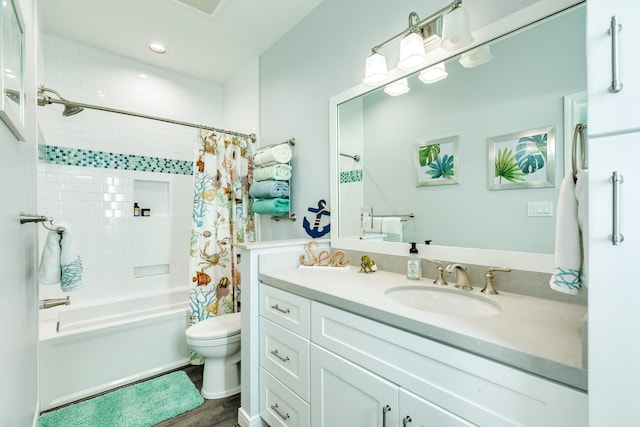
(142, 75)
(157, 47)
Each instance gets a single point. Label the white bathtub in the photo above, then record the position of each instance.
(85, 350)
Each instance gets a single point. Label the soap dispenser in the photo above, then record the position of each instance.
(414, 270)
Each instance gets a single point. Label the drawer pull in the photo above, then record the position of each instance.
(614, 29)
(385, 409)
(277, 411)
(616, 179)
(276, 354)
(281, 310)
(406, 420)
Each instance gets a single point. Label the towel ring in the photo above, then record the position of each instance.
(579, 131)
(26, 218)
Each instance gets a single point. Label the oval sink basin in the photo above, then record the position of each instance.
(443, 301)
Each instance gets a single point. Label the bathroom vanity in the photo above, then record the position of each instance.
(338, 348)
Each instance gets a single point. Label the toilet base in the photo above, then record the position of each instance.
(219, 379)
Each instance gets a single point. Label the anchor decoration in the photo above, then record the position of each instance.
(321, 211)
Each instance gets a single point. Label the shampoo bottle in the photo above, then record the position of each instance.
(413, 263)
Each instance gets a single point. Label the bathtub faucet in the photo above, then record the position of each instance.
(53, 302)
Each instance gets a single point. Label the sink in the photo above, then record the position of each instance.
(453, 302)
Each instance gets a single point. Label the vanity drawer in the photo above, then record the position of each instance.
(287, 310)
(484, 392)
(279, 406)
(286, 356)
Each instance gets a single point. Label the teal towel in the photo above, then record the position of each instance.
(269, 189)
(271, 206)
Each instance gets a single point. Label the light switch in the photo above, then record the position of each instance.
(540, 209)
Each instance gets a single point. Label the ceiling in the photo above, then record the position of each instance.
(213, 47)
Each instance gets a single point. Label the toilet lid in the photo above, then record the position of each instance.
(216, 327)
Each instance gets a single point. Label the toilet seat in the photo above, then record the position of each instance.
(223, 326)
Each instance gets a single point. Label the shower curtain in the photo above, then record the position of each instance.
(221, 218)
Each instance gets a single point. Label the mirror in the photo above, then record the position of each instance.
(519, 93)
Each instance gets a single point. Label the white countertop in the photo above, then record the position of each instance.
(536, 335)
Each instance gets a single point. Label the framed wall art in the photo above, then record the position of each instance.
(437, 162)
(522, 159)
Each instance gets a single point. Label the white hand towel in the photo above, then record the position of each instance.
(280, 153)
(61, 262)
(278, 172)
(568, 256)
(392, 227)
(582, 197)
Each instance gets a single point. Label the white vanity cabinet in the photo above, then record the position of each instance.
(613, 112)
(284, 358)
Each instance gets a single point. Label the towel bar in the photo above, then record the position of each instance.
(26, 218)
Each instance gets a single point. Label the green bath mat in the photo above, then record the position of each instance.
(139, 405)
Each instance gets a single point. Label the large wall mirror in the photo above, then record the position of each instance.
(477, 113)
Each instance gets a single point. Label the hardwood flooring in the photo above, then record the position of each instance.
(212, 413)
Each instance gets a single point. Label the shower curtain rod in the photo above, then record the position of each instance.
(48, 100)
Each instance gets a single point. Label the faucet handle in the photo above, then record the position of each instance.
(488, 286)
(440, 270)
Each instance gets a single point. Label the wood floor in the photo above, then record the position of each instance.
(212, 413)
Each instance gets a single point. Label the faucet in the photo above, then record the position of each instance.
(53, 302)
(440, 269)
(488, 286)
(462, 278)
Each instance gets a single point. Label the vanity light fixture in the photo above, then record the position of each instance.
(456, 30)
(475, 57)
(419, 37)
(399, 87)
(433, 74)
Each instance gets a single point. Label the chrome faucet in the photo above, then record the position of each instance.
(462, 277)
(488, 286)
(440, 269)
(53, 302)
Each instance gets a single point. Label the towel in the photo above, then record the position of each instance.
(278, 172)
(60, 261)
(392, 227)
(269, 189)
(276, 207)
(280, 153)
(570, 220)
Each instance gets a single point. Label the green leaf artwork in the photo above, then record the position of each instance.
(531, 153)
(428, 154)
(441, 167)
(506, 166)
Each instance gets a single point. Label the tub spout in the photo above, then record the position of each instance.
(53, 302)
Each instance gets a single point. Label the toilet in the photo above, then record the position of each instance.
(217, 340)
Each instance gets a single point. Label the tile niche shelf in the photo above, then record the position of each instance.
(152, 195)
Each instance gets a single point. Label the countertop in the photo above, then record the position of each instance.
(536, 335)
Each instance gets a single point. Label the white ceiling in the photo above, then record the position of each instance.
(210, 47)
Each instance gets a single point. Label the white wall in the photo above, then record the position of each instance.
(98, 202)
(18, 305)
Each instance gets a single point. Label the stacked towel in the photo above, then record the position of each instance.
(275, 207)
(570, 220)
(278, 172)
(60, 261)
(392, 227)
(280, 153)
(269, 189)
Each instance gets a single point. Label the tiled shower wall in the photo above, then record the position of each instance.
(93, 166)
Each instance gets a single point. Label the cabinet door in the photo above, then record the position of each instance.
(417, 412)
(611, 112)
(344, 394)
(614, 293)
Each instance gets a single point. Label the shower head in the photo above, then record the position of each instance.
(70, 108)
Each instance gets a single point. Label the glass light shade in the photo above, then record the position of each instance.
(375, 69)
(433, 74)
(475, 57)
(455, 32)
(399, 87)
(411, 52)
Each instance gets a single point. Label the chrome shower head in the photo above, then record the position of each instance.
(70, 108)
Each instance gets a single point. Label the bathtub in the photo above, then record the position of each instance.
(88, 349)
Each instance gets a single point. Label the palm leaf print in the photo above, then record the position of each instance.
(428, 154)
(531, 153)
(441, 167)
(507, 167)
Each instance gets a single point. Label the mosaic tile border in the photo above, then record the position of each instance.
(102, 159)
(351, 176)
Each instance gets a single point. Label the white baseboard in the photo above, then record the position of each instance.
(244, 420)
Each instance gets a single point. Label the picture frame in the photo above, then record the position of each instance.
(12, 81)
(522, 160)
(437, 162)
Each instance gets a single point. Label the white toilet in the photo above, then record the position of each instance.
(217, 340)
